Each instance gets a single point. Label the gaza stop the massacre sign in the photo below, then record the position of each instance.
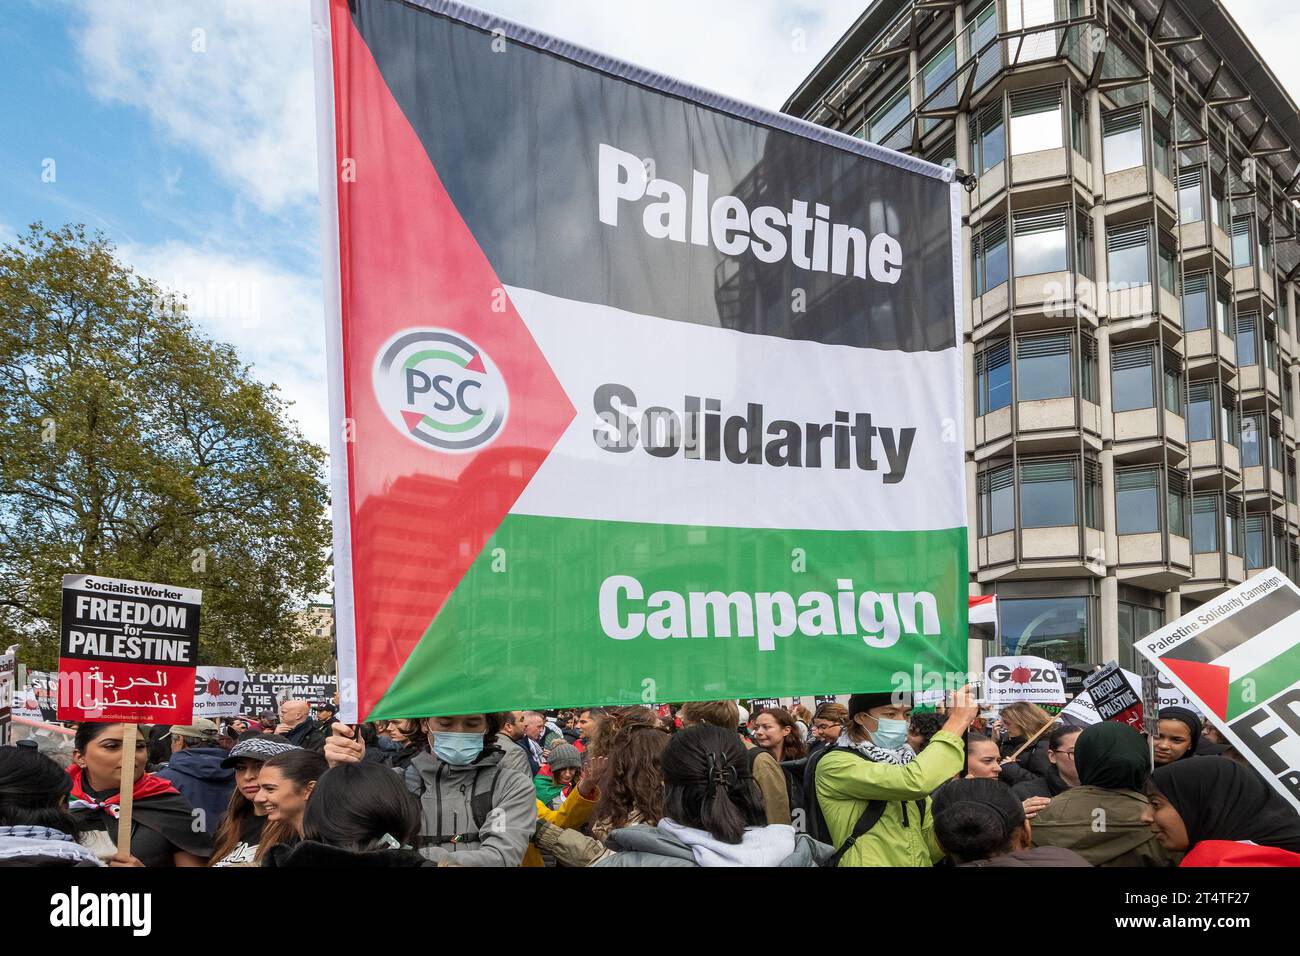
(127, 651)
(638, 393)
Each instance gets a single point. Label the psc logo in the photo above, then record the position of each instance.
(441, 390)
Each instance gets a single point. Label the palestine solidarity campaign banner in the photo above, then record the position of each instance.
(638, 393)
(1237, 657)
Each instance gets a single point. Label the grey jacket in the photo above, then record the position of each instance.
(652, 846)
(448, 831)
(514, 756)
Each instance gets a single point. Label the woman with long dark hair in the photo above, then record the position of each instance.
(240, 831)
(285, 785)
(162, 831)
(35, 826)
(359, 815)
(713, 813)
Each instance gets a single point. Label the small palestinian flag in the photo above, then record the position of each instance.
(1249, 652)
(983, 620)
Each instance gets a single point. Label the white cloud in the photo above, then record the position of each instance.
(232, 80)
(274, 317)
(752, 50)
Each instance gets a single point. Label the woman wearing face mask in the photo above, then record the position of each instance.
(237, 837)
(162, 821)
(873, 790)
(285, 784)
(1222, 814)
(474, 810)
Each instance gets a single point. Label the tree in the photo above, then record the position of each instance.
(133, 446)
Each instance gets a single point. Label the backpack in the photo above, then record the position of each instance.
(481, 801)
(871, 814)
(794, 788)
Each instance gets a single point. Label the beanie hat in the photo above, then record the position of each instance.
(860, 703)
(564, 756)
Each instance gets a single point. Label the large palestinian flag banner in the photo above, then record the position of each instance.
(640, 394)
(1237, 658)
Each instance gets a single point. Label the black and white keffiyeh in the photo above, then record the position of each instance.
(903, 755)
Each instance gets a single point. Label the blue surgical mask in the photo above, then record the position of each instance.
(457, 749)
(889, 734)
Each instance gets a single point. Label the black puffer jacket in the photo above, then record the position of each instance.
(311, 853)
(1030, 765)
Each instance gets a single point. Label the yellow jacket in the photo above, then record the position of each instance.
(574, 812)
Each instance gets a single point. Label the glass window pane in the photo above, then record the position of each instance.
(1121, 142)
(995, 261)
(1196, 308)
(1177, 502)
(1128, 267)
(1250, 440)
(1191, 200)
(1043, 368)
(1132, 379)
(1036, 121)
(1137, 501)
(1040, 243)
(1246, 342)
(1205, 525)
(884, 120)
(1047, 495)
(1200, 415)
(1053, 628)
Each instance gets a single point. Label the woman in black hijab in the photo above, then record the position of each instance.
(1178, 736)
(1113, 763)
(1226, 813)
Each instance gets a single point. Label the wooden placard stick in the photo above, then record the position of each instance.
(1040, 732)
(126, 792)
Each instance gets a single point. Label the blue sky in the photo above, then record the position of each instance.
(185, 131)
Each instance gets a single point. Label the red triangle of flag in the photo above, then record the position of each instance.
(412, 419)
(476, 364)
(1208, 681)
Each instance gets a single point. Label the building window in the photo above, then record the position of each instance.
(1036, 121)
(1222, 308)
(1043, 367)
(1173, 381)
(993, 378)
(1283, 311)
(1049, 493)
(1136, 621)
(1274, 447)
(1121, 140)
(1228, 412)
(1205, 523)
(1166, 263)
(1053, 628)
(938, 70)
(1191, 199)
(1163, 154)
(1088, 368)
(1242, 247)
(988, 138)
(1196, 302)
(1256, 547)
(1200, 411)
(990, 258)
(1127, 259)
(1040, 244)
(1290, 479)
(1083, 244)
(886, 119)
(1232, 525)
(1137, 500)
(997, 502)
(1246, 324)
(1219, 209)
(1132, 377)
(1251, 439)
(944, 153)
(1176, 502)
(1079, 124)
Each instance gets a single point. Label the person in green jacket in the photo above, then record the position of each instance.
(885, 768)
(1101, 819)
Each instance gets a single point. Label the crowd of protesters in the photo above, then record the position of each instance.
(874, 782)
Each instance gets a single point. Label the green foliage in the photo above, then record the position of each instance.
(133, 446)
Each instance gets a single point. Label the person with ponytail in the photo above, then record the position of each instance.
(713, 813)
(979, 822)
